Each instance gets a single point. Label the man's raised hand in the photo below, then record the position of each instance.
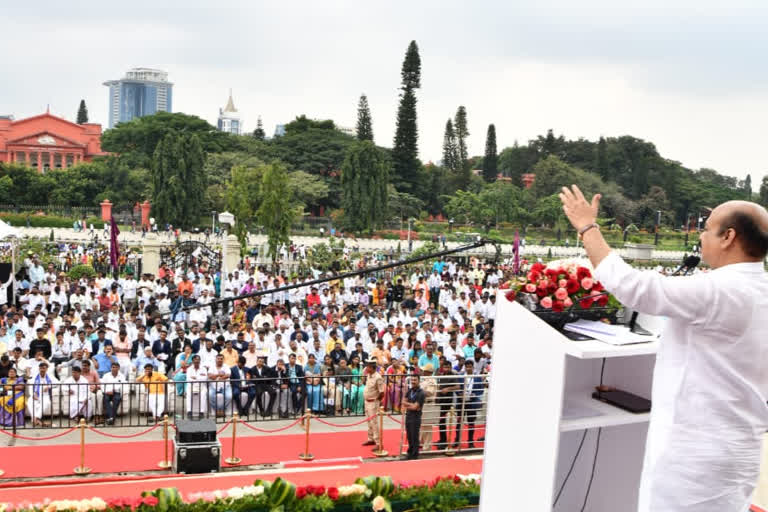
(579, 212)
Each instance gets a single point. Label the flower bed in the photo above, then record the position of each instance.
(372, 493)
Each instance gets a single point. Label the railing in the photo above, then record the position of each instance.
(132, 404)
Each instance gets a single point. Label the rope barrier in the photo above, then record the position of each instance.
(344, 425)
(268, 431)
(223, 427)
(394, 419)
(47, 438)
(118, 436)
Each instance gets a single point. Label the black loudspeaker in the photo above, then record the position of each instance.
(196, 457)
(195, 431)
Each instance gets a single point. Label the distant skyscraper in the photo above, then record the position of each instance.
(229, 119)
(279, 130)
(142, 92)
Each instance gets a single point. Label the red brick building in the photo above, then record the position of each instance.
(48, 142)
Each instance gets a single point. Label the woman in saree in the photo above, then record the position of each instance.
(353, 390)
(183, 361)
(329, 393)
(315, 396)
(396, 386)
(12, 401)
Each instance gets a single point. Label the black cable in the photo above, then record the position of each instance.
(570, 470)
(602, 371)
(370, 270)
(594, 466)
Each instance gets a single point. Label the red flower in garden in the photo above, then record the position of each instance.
(557, 306)
(456, 479)
(572, 286)
(149, 500)
(333, 493)
(537, 267)
(583, 272)
(301, 492)
(319, 490)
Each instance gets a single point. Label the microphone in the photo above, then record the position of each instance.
(689, 263)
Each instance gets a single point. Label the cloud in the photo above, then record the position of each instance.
(686, 77)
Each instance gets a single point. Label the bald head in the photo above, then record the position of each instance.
(736, 231)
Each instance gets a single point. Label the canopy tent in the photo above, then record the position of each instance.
(8, 231)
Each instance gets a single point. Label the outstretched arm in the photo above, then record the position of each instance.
(582, 215)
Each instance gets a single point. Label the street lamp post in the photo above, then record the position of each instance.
(410, 244)
(213, 221)
(658, 221)
(450, 225)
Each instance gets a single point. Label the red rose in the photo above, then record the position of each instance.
(597, 287)
(511, 295)
(149, 500)
(572, 286)
(301, 492)
(504, 285)
(537, 267)
(551, 287)
(541, 292)
(583, 272)
(333, 493)
(533, 276)
(557, 306)
(602, 301)
(456, 479)
(586, 302)
(319, 490)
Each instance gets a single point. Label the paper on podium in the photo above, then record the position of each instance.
(607, 333)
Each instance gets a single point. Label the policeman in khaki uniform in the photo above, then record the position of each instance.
(373, 393)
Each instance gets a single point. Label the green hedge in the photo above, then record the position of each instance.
(46, 221)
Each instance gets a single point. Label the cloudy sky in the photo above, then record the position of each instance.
(689, 77)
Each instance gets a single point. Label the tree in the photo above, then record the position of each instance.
(178, 180)
(450, 149)
(364, 123)
(82, 113)
(308, 189)
(491, 160)
(364, 180)
(748, 187)
(405, 150)
(462, 132)
(258, 133)
(278, 209)
(764, 191)
(243, 192)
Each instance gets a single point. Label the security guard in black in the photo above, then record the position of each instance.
(413, 403)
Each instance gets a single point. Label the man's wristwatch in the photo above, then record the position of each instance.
(587, 228)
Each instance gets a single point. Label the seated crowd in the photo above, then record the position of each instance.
(100, 348)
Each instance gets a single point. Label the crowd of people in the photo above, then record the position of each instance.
(80, 348)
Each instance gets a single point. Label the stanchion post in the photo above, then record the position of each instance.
(81, 469)
(306, 455)
(380, 451)
(233, 461)
(451, 414)
(166, 462)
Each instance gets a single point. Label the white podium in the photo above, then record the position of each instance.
(541, 403)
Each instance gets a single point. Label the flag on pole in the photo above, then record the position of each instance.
(516, 251)
(114, 248)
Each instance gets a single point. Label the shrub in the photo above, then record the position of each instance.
(46, 221)
(80, 271)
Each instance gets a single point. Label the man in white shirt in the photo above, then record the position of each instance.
(114, 388)
(219, 385)
(195, 394)
(709, 385)
(130, 287)
(41, 398)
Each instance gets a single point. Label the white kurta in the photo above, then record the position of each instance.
(710, 383)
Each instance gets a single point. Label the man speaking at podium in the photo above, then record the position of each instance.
(710, 384)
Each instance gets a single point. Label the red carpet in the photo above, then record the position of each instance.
(54, 460)
(425, 469)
